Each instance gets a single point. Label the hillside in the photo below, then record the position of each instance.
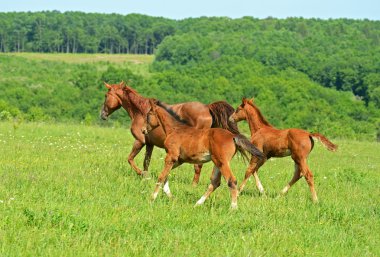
(320, 75)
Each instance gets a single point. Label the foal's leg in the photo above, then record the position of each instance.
(310, 181)
(296, 177)
(253, 167)
(197, 173)
(148, 155)
(224, 170)
(303, 169)
(232, 183)
(215, 183)
(137, 146)
(162, 178)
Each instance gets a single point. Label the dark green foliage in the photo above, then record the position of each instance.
(286, 97)
(43, 91)
(341, 54)
(77, 32)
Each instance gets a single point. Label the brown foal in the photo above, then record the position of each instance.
(274, 142)
(196, 114)
(186, 144)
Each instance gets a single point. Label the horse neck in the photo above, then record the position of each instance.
(134, 104)
(168, 123)
(255, 119)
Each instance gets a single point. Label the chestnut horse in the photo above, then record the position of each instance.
(273, 142)
(195, 113)
(187, 144)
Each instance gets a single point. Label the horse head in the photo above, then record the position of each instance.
(239, 113)
(112, 100)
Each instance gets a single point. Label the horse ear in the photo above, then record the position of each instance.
(122, 84)
(107, 85)
(252, 100)
(244, 100)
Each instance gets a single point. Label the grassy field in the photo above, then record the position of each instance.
(137, 63)
(88, 58)
(67, 190)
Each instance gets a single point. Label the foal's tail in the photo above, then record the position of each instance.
(243, 145)
(327, 143)
(221, 112)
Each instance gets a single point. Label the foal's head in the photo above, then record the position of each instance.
(239, 113)
(151, 121)
(112, 100)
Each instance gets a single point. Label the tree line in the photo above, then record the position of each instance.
(77, 32)
(338, 53)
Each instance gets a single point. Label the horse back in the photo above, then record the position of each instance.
(195, 113)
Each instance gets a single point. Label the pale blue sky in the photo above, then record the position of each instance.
(177, 9)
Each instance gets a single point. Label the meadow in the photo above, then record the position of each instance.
(68, 190)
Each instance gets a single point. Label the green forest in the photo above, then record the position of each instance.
(320, 75)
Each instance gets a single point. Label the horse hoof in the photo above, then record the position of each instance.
(234, 206)
(145, 175)
(154, 196)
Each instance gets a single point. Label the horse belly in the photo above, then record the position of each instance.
(284, 152)
(194, 151)
(199, 157)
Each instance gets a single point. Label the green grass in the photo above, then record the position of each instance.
(68, 190)
(88, 58)
(138, 63)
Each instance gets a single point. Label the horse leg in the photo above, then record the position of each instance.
(232, 183)
(137, 146)
(167, 189)
(197, 173)
(296, 177)
(148, 155)
(301, 168)
(166, 184)
(253, 167)
(215, 183)
(162, 178)
(310, 181)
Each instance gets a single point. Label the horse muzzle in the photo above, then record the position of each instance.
(103, 115)
(232, 118)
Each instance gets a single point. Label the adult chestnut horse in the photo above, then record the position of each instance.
(274, 142)
(187, 144)
(195, 113)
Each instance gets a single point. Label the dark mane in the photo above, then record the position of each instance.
(261, 116)
(172, 113)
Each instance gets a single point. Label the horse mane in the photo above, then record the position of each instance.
(172, 113)
(261, 116)
(221, 112)
(139, 103)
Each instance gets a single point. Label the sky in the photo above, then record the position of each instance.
(180, 9)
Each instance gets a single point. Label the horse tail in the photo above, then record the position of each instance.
(327, 143)
(220, 112)
(243, 145)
